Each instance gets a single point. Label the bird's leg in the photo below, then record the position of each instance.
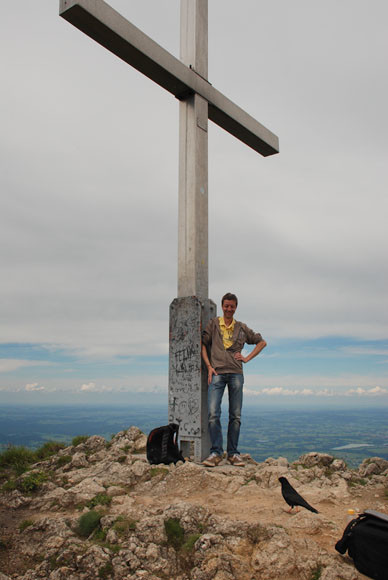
(290, 510)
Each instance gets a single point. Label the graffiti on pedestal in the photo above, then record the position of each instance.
(185, 366)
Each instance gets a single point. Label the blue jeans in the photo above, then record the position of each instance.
(235, 382)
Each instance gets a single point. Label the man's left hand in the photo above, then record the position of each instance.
(239, 356)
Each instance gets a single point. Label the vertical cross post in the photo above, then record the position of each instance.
(192, 308)
(193, 158)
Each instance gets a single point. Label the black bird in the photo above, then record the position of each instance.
(292, 497)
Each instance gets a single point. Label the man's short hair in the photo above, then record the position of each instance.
(229, 296)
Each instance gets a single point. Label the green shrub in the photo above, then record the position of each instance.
(175, 533)
(99, 499)
(48, 449)
(17, 458)
(99, 535)
(32, 482)
(9, 485)
(63, 460)
(189, 543)
(25, 524)
(79, 439)
(105, 571)
(317, 573)
(357, 481)
(87, 523)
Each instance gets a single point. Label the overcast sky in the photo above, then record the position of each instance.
(89, 180)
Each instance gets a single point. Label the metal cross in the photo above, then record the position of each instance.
(187, 80)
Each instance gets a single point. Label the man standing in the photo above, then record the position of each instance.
(222, 343)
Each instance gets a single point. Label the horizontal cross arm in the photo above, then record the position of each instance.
(107, 27)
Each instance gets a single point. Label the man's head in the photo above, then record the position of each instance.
(229, 304)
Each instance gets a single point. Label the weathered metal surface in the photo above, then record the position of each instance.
(187, 403)
(107, 27)
(193, 159)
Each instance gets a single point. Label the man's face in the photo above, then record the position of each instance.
(229, 308)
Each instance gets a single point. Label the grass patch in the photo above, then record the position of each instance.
(124, 525)
(99, 499)
(17, 458)
(48, 449)
(32, 482)
(175, 533)
(79, 439)
(28, 484)
(189, 543)
(63, 460)
(158, 471)
(25, 524)
(106, 571)
(316, 573)
(8, 486)
(183, 545)
(100, 535)
(357, 481)
(256, 533)
(87, 523)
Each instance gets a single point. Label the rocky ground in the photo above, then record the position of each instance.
(99, 510)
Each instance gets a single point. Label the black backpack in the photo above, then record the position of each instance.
(366, 540)
(162, 446)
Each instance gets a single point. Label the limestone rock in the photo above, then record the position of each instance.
(313, 458)
(229, 522)
(373, 466)
(79, 460)
(81, 493)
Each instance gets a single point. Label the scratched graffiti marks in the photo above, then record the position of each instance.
(185, 366)
(186, 359)
(185, 412)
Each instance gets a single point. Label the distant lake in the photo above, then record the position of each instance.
(352, 435)
(352, 446)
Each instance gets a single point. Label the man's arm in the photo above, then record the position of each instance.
(210, 370)
(258, 348)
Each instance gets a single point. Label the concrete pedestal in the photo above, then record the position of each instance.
(187, 396)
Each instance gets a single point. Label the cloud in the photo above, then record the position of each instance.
(316, 381)
(364, 351)
(367, 392)
(33, 387)
(93, 388)
(10, 364)
(275, 391)
(313, 240)
(282, 392)
(143, 384)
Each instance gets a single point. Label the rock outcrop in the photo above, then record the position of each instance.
(99, 510)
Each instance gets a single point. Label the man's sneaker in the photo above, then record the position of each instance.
(212, 460)
(236, 460)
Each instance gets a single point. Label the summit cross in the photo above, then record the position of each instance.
(187, 80)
